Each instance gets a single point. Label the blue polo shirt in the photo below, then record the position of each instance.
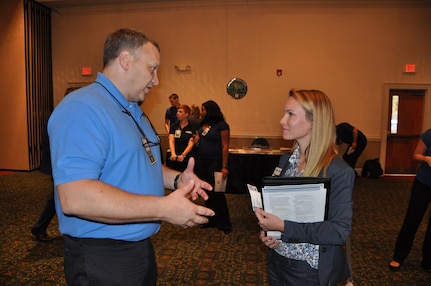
(92, 138)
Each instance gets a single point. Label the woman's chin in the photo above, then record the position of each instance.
(286, 136)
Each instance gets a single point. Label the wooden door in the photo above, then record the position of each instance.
(404, 130)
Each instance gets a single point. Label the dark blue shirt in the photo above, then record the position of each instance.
(210, 145)
(171, 115)
(182, 142)
(424, 171)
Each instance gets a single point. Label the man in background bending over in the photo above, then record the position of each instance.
(354, 138)
(108, 176)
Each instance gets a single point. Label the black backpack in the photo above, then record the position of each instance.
(372, 169)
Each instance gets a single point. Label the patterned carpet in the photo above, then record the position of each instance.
(207, 256)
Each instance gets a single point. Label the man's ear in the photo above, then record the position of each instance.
(124, 59)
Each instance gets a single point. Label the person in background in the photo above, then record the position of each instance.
(311, 253)
(38, 230)
(181, 141)
(212, 140)
(171, 112)
(195, 116)
(354, 138)
(420, 199)
(108, 176)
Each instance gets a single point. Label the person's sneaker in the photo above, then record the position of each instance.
(43, 237)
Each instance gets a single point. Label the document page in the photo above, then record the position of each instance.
(220, 183)
(298, 203)
(255, 197)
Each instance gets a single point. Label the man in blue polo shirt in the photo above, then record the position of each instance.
(108, 176)
(171, 112)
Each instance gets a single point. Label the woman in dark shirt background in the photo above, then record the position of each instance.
(213, 152)
(420, 199)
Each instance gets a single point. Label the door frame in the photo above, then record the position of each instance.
(426, 120)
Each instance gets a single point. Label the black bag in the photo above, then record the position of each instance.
(372, 169)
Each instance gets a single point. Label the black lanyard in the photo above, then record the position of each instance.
(145, 141)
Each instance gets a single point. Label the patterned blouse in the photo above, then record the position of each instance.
(298, 251)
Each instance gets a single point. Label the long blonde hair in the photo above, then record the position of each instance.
(319, 112)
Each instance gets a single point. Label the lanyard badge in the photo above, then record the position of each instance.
(147, 148)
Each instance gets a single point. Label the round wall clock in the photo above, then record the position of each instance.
(237, 88)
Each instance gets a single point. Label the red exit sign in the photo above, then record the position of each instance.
(86, 71)
(410, 68)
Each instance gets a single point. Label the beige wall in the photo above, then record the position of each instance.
(13, 115)
(352, 52)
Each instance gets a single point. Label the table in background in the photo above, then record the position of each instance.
(248, 166)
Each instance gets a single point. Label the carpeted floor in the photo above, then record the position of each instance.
(207, 256)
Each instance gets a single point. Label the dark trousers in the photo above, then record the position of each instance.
(420, 198)
(283, 271)
(45, 217)
(216, 201)
(352, 158)
(178, 166)
(107, 262)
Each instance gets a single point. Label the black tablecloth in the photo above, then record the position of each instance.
(249, 169)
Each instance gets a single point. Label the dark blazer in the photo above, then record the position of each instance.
(331, 234)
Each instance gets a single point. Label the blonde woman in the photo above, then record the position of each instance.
(311, 253)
